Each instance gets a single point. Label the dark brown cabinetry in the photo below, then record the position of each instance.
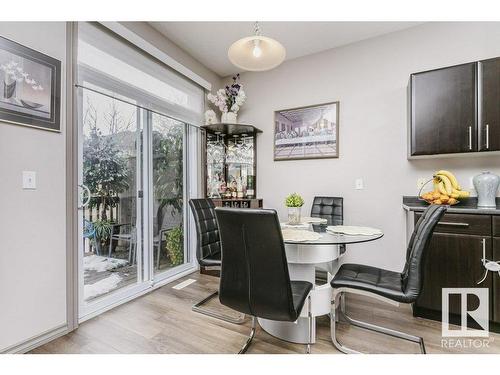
(454, 260)
(489, 104)
(496, 281)
(443, 110)
(455, 109)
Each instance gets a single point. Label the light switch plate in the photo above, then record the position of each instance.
(29, 180)
(358, 184)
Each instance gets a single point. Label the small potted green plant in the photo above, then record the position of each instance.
(294, 202)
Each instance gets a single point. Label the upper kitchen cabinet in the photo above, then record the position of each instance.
(443, 111)
(489, 105)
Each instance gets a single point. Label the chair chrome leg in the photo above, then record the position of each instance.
(333, 327)
(372, 327)
(310, 321)
(245, 347)
(197, 307)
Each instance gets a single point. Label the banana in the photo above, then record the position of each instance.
(447, 183)
(441, 188)
(460, 193)
(451, 177)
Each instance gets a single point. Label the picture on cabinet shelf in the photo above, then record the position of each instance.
(307, 132)
(30, 91)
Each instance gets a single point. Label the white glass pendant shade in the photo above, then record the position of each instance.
(256, 53)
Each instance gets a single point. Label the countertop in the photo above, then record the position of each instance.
(466, 206)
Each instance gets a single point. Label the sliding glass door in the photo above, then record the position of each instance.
(137, 137)
(168, 193)
(111, 214)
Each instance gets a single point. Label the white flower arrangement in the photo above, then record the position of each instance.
(210, 117)
(229, 99)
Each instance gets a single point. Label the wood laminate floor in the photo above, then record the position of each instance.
(162, 322)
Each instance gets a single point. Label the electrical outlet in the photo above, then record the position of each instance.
(421, 182)
(358, 184)
(29, 180)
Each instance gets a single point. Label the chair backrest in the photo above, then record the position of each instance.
(413, 272)
(207, 230)
(254, 274)
(329, 208)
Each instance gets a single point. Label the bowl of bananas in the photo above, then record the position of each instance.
(446, 190)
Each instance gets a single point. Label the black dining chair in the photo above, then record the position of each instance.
(208, 251)
(388, 286)
(329, 208)
(254, 274)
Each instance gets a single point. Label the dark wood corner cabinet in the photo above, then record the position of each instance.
(230, 157)
(454, 260)
(455, 109)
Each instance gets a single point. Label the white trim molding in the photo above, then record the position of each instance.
(144, 45)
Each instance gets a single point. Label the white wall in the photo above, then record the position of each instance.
(369, 79)
(33, 223)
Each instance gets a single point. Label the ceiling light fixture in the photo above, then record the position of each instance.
(257, 52)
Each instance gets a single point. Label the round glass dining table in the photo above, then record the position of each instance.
(304, 257)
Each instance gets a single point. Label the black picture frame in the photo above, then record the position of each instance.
(25, 98)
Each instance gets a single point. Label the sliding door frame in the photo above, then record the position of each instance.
(146, 276)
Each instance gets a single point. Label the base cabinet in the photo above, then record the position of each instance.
(454, 260)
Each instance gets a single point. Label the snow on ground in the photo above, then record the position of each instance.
(102, 286)
(100, 264)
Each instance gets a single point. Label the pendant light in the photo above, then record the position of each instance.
(257, 52)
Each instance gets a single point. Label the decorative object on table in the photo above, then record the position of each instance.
(294, 202)
(256, 52)
(486, 185)
(229, 100)
(353, 230)
(31, 87)
(231, 170)
(446, 191)
(310, 132)
(210, 117)
(297, 235)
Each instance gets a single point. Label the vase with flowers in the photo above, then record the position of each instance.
(229, 100)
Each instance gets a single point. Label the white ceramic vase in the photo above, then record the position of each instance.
(229, 118)
(486, 185)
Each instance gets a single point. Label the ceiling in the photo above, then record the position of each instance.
(208, 42)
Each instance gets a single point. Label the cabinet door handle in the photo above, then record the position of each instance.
(463, 225)
(484, 250)
(470, 137)
(487, 136)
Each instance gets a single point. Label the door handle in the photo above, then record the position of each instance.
(84, 204)
(470, 137)
(487, 136)
(463, 225)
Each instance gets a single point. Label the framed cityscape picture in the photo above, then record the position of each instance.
(30, 87)
(310, 132)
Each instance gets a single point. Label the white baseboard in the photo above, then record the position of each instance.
(37, 341)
